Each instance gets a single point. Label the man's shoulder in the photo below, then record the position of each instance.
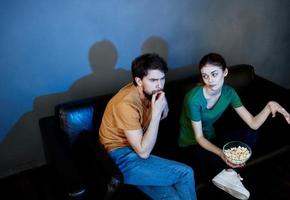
(126, 95)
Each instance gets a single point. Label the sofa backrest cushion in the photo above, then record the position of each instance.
(74, 121)
(81, 115)
(240, 76)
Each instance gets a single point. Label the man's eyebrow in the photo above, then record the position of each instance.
(153, 79)
(163, 77)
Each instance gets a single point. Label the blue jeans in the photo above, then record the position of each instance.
(157, 177)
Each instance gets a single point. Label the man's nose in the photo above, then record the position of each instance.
(159, 84)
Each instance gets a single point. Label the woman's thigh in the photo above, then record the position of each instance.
(246, 135)
(204, 162)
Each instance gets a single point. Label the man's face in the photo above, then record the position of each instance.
(153, 82)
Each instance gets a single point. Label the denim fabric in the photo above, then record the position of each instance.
(157, 177)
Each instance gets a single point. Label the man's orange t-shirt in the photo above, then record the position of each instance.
(125, 111)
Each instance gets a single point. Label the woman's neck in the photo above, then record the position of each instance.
(212, 93)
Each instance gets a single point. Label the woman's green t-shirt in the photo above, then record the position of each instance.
(195, 109)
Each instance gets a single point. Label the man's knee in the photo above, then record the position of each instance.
(188, 171)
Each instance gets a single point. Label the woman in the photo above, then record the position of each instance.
(203, 105)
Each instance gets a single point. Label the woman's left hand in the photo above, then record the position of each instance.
(275, 107)
(229, 163)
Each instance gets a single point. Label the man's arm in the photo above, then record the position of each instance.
(165, 111)
(143, 143)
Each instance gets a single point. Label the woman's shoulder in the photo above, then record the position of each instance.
(227, 88)
(196, 89)
(195, 92)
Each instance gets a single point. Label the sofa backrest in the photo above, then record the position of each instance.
(86, 114)
(240, 76)
(81, 115)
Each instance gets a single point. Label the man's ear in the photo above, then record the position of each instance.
(226, 72)
(138, 81)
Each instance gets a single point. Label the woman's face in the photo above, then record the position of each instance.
(213, 76)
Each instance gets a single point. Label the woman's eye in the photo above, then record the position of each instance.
(214, 74)
(205, 76)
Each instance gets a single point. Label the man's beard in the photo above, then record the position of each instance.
(148, 96)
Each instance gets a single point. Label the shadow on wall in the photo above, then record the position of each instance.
(104, 79)
(155, 44)
(22, 149)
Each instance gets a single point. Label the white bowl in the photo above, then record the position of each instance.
(237, 152)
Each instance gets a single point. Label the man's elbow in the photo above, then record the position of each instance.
(144, 155)
(142, 152)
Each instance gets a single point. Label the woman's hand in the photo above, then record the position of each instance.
(274, 107)
(229, 163)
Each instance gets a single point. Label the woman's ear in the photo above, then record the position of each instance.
(226, 72)
(138, 81)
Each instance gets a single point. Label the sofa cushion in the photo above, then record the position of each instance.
(74, 121)
(240, 76)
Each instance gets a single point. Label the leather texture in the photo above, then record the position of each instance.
(74, 121)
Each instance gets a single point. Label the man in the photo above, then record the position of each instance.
(129, 130)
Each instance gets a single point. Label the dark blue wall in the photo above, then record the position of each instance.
(51, 51)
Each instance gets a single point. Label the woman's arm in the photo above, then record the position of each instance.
(206, 144)
(255, 122)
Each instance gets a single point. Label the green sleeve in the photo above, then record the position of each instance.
(236, 101)
(193, 108)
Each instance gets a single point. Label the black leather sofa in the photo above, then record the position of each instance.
(81, 169)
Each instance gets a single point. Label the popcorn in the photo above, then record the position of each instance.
(237, 155)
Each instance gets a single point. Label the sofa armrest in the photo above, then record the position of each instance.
(89, 153)
(83, 168)
(58, 156)
(98, 169)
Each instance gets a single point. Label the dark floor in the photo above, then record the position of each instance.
(268, 180)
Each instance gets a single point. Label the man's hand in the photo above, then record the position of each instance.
(165, 111)
(158, 103)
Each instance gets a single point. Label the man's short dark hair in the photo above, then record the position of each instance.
(150, 61)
